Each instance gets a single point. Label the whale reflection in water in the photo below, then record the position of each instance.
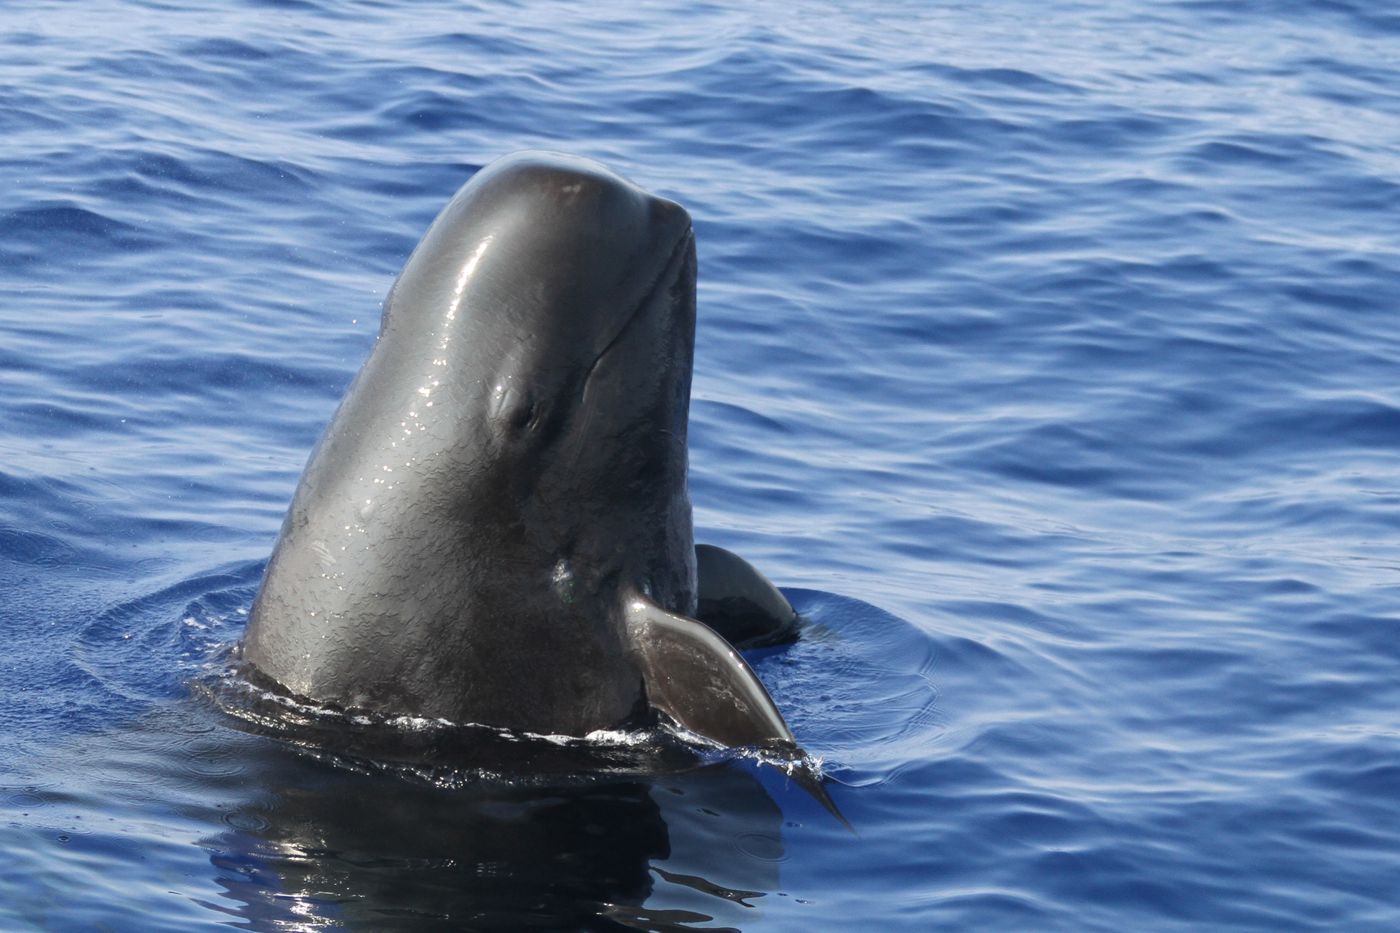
(328, 846)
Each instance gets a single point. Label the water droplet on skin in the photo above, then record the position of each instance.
(563, 580)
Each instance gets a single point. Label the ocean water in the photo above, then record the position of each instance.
(1047, 357)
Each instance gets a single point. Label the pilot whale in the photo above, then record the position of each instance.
(495, 527)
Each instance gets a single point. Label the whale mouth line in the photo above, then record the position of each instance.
(667, 272)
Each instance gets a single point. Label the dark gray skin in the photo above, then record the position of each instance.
(495, 528)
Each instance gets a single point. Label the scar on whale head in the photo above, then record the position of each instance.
(495, 527)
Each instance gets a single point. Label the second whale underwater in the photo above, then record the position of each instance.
(495, 527)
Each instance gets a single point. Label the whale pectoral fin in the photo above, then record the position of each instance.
(739, 602)
(699, 680)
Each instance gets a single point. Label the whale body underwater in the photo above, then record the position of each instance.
(495, 527)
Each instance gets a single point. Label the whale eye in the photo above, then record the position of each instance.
(530, 418)
(515, 409)
(522, 416)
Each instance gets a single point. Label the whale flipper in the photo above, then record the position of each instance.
(739, 602)
(698, 679)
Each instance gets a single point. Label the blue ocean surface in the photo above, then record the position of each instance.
(1048, 357)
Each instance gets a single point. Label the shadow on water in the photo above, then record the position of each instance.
(323, 845)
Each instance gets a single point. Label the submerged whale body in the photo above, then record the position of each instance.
(495, 527)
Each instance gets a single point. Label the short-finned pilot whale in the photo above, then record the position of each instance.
(495, 527)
